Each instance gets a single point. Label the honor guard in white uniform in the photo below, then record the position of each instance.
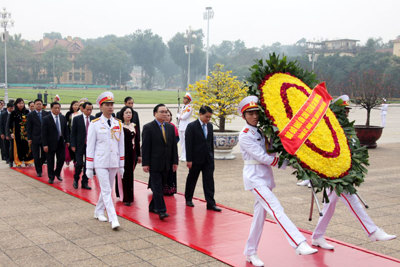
(259, 179)
(184, 118)
(354, 205)
(105, 152)
(384, 109)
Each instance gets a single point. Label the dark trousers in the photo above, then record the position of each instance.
(207, 170)
(60, 154)
(6, 149)
(80, 164)
(39, 156)
(3, 155)
(157, 203)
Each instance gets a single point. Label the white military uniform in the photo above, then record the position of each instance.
(355, 206)
(184, 119)
(259, 179)
(383, 113)
(106, 153)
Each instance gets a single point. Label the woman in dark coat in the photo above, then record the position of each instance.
(16, 129)
(169, 186)
(132, 152)
(73, 111)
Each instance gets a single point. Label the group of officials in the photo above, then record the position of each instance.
(102, 140)
(105, 155)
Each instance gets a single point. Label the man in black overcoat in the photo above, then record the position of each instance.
(34, 129)
(200, 157)
(159, 154)
(80, 126)
(55, 135)
(3, 133)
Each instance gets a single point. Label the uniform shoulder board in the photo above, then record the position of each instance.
(95, 119)
(246, 130)
(118, 120)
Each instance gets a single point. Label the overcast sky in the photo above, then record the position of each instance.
(254, 22)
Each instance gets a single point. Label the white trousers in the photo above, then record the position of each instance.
(265, 202)
(355, 206)
(383, 117)
(182, 142)
(106, 179)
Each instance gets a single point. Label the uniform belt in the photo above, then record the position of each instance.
(252, 162)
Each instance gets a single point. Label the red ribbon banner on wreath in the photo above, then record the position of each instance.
(306, 119)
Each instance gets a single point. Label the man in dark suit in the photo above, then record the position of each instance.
(34, 129)
(199, 144)
(55, 135)
(3, 122)
(80, 126)
(159, 155)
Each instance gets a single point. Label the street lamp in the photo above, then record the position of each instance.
(207, 15)
(313, 56)
(6, 21)
(189, 49)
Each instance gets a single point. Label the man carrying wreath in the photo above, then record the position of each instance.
(259, 179)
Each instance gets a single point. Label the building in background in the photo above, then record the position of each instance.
(396, 47)
(73, 46)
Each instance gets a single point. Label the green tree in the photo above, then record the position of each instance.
(109, 64)
(147, 50)
(52, 35)
(20, 60)
(56, 62)
(197, 59)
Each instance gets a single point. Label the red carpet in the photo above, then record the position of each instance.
(220, 235)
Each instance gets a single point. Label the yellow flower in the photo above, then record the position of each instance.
(322, 137)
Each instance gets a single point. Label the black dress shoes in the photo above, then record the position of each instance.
(39, 174)
(127, 203)
(189, 203)
(214, 208)
(153, 211)
(59, 178)
(75, 184)
(163, 215)
(51, 181)
(86, 187)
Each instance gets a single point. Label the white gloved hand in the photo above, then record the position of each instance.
(121, 171)
(284, 164)
(89, 173)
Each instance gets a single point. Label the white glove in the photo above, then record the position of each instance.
(89, 173)
(121, 171)
(284, 164)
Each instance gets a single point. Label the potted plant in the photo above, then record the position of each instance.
(222, 92)
(368, 88)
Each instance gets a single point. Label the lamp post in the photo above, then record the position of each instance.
(313, 56)
(6, 21)
(189, 49)
(207, 15)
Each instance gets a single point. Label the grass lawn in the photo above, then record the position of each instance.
(68, 95)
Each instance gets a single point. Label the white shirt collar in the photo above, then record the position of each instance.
(202, 123)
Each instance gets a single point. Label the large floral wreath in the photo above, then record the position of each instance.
(332, 156)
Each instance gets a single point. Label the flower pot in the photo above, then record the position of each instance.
(224, 142)
(368, 135)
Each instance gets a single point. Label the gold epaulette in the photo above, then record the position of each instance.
(95, 120)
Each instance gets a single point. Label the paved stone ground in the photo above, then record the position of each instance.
(42, 226)
(380, 190)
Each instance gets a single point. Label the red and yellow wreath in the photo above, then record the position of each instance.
(326, 151)
(314, 135)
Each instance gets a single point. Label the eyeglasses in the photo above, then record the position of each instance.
(163, 111)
